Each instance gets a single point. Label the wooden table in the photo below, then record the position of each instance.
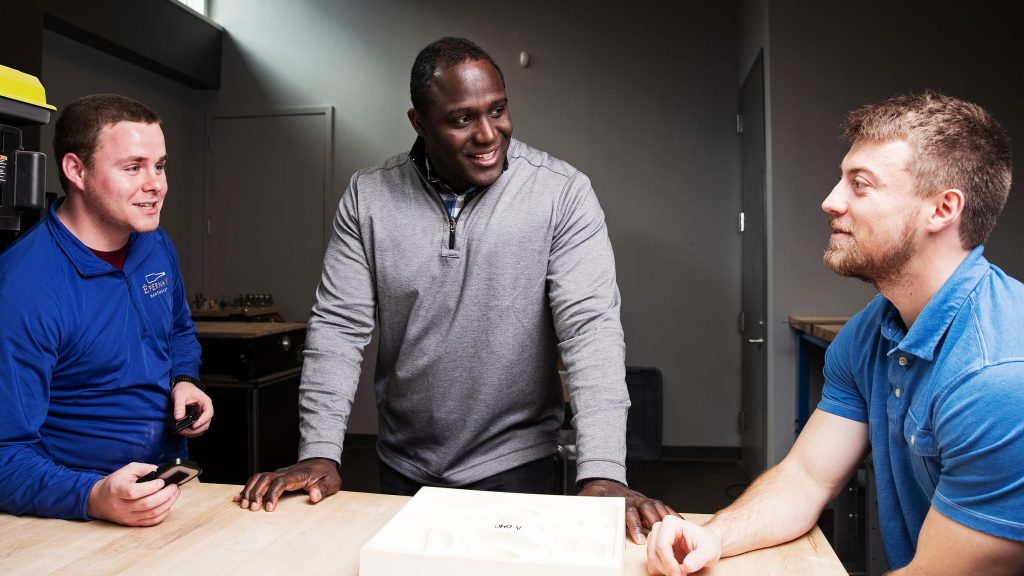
(206, 533)
(239, 313)
(825, 328)
(228, 330)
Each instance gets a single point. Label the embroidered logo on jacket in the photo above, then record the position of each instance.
(156, 284)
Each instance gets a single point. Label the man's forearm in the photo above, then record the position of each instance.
(779, 506)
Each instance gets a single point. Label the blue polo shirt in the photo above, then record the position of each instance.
(944, 404)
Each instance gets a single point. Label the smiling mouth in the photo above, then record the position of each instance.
(485, 157)
(146, 204)
(838, 227)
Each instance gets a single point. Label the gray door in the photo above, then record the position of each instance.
(267, 206)
(753, 402)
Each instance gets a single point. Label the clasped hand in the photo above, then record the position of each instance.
(677, 547)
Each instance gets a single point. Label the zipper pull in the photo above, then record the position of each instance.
(451, 234)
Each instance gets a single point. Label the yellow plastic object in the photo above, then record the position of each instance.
(23, 88)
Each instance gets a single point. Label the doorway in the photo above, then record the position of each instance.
(753, 314)
(268, 206)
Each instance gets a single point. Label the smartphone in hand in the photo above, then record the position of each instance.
(176, 471)
(191, 415)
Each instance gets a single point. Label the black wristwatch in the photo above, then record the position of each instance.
(186, 378)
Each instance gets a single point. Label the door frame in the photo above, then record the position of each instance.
(754, 455)
(329, 205)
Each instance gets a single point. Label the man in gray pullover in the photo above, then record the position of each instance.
(482, 260)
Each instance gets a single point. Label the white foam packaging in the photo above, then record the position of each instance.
(449, 532)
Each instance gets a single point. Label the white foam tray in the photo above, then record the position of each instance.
(449, 532)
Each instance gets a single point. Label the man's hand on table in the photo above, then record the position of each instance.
(119, 498)
(676, 547)
(317, 476)
(641, 512)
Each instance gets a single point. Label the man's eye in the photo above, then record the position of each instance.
(133, 168)
(161, 167)
(462, 121)
(498, 112)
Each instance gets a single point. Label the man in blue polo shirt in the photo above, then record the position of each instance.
(98, 353)
(930, 373)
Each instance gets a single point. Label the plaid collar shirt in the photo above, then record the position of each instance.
(452, 200)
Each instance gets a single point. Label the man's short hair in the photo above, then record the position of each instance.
(442, 53)
(79, 125)
(955, 144)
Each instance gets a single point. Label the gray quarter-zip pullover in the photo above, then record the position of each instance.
(466, 379)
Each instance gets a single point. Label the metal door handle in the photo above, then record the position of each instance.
(755, 340)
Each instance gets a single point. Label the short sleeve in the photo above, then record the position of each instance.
(841, 395)
(980, 434)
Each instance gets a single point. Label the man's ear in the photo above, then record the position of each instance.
(946, 208)
(74, 170)
(416, 120)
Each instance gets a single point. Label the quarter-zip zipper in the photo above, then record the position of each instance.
(452, 222)
(143, 321)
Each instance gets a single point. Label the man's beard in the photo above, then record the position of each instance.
(876, 269)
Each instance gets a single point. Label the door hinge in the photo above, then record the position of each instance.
(209, 228)
(742, 322)
(741, 421)
(739, 123)
(742, 222)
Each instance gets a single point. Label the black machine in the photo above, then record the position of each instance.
(251, 371)
(22, 172)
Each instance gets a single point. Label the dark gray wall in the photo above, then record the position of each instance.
(827, 59)
(641, 96)
(72, 70)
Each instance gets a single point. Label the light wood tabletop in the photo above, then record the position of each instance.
(206, 533)
(823, 327)
(236, 330)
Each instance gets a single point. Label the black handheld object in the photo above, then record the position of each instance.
(191, 415)
(176, 471)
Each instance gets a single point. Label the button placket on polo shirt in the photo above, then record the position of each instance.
(904, 362)
(897, 373)
(900, 365)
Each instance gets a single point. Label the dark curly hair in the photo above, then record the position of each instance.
(442, 53)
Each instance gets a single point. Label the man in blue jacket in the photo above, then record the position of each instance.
(98, 354)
